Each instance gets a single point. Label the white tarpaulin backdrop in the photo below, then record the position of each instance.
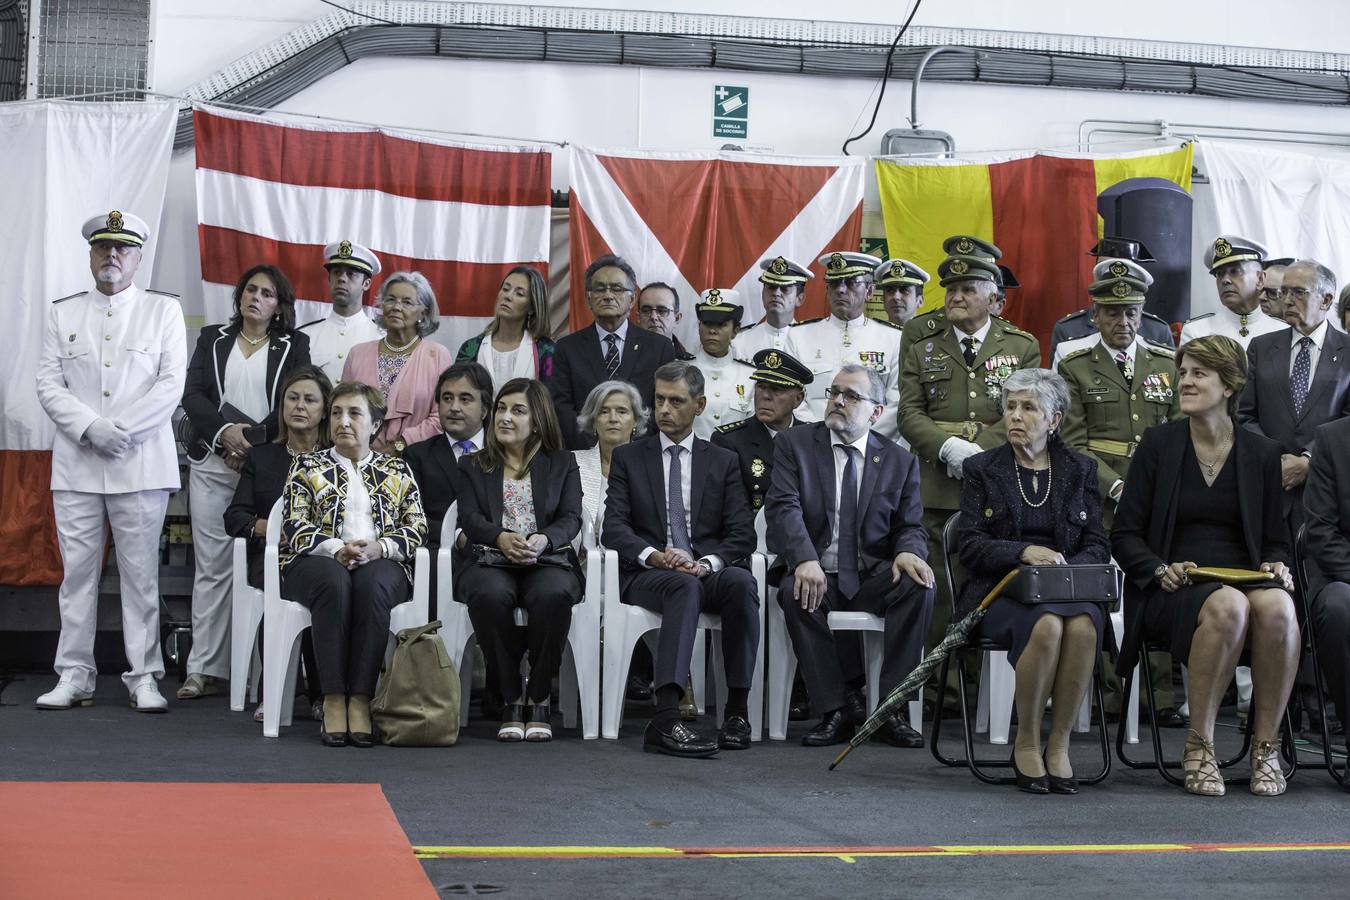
(1297, 203)
(64, 162)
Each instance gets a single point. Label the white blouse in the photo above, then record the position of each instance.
(245, 386)
(507, 364)
(358, 516)
(593, 488)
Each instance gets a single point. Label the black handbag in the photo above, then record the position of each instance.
(496, 559)
(1060, 584)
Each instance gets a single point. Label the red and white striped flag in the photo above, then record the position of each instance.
(277, 193)
(703, 220)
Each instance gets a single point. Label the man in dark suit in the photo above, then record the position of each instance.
(1298, 378)
(1327, 507)
(845, 518)
(780, 382)
(613, 348)
(658, 311)
(677, 517)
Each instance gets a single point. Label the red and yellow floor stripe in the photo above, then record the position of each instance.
(851, 854)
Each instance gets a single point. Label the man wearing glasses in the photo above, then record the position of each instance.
(848, 336)
(1271, 280)
(855, 543)
(611, 348)
(659, 312)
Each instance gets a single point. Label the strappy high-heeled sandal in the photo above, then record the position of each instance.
(1205, 779)
(1267, 776)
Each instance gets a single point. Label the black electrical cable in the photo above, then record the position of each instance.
(885, 76)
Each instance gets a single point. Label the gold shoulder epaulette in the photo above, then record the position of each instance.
(808, 321)
(70, 297)
(723, 429)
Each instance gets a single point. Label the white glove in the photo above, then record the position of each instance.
(955, 451)
(107, 439)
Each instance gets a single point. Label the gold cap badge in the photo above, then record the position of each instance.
(837, 262)
(1120, 289)
(114, 221)
(344, 250)
(965, 245)
(959, 267)
(773, 361)
(1119, 269)
(1222, 248)
(779, 266)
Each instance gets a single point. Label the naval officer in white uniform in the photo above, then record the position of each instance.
(350, 269)
(113, 365)
(783, 291)
(1235, 263)
(726, 380)
(846, 335)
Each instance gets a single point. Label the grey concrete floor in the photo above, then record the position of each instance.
(609, 793)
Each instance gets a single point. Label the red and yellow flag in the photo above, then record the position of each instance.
(1040, 209)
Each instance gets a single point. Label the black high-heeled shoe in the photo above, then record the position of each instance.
(1062, 785)
(1038, 785)
(331, 738)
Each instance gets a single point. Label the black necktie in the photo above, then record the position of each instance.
(611, 355)
(679, 520)
(969, 353)
(848, 526)
(1298, 381)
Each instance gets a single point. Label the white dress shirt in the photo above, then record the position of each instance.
(124, 359)
(829, 560)
(476, 442)
(245, 386)
(358, 514)
(686, 493)
(980, 335)
(621, 331)
(1319, 335)
(331, 339)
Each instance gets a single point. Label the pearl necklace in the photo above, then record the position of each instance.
(251, 341)
(404, 349)
(1049, 482)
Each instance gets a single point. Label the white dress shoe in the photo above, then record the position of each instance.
(146, 698)
(64, 696)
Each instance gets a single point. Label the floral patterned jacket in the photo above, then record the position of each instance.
(315, 497)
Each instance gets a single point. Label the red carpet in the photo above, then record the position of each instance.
(147, 841)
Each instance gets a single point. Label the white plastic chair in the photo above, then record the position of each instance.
(246, 612)
(579, 681)
(626, 624)
(283, 621)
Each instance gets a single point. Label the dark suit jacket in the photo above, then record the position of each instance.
(555, 484)
(579, 365)
(1326, 500)
(206, 380)
(1144, 530)
(752, 443)
(800, 508)
(1265, 406)
(720, 523)
(989, 531)
(433, 465)
(261, 481)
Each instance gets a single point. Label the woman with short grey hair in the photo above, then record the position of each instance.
(1033, 501)
(401, 365)
(614, 414)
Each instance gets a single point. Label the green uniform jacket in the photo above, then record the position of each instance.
(1105, 411)
(924, 325)
(940, 398)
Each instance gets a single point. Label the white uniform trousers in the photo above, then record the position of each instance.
(211, 486)
(82, 521)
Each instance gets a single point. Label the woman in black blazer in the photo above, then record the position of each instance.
(231, 395)
(1202, 492)
(520, 508)
(1034, 501)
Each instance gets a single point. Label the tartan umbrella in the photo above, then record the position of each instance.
(957, 636)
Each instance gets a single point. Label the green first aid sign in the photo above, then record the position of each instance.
(731, 111)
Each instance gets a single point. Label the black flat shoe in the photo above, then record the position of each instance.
(639, 689)
(897, 732)
(735, 734)
(362, 739)
(679, 740)
(1062, 785)
(1037, 785)
(856, 704)
(836, 728)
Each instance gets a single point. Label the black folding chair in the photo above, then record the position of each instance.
(976, 765)
(1302, 582)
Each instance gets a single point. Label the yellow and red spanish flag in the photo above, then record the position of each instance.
(1040, 209)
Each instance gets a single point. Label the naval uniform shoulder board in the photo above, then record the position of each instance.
(70, 297)
(809, 321)
(889, 324)
(315, 322)
(164, 293)
(1082, 351)
(1160, 349)
(727, 429)
(1199, 317)
(744, 362)
(748, 327)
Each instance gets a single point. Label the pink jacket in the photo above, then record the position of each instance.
(411, 403)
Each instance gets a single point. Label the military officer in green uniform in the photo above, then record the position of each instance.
(926, 325)
(949, 392)
(780, 386)
(1120, 385)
